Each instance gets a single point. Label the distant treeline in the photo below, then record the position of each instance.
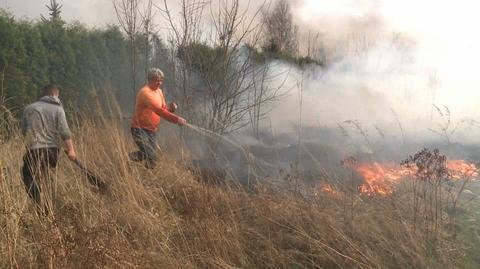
(81, 61)
(222, 83)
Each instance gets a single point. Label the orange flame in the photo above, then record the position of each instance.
(327, 188)
(459, 169)
(380, 179)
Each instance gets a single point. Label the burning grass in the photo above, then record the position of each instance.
(166, 218)
(381, 179)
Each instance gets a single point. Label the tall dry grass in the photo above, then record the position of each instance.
(168, 218)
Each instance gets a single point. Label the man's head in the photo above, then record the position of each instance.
(51, 90)
(155, 78)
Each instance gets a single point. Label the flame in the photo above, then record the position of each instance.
(381, 179)
(459, 169)
(327, 188)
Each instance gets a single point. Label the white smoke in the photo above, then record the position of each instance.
(394, 78)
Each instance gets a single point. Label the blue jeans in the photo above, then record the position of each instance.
(147, 146)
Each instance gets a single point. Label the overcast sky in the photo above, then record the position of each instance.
(92, 12)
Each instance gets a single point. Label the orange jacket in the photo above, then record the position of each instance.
(149, 107)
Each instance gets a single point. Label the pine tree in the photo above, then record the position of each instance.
(54, 11)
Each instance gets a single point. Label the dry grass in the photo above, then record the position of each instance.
(166, 218)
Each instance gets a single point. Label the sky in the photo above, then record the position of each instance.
(91, 12)
(437, 65)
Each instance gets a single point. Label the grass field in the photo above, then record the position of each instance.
(469, 222)
(170, 217)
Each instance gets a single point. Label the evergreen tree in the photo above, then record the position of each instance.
(54, 11)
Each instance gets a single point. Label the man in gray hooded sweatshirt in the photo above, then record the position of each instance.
(43, 125)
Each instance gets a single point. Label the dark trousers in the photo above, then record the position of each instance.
(147, 146)
(37, 164)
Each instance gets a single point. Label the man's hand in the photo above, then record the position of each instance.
(70, 150)
(181, 121)
(72, 155)
(172, 107)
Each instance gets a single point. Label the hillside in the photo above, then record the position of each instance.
(170, 218)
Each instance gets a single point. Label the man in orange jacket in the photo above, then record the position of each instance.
(150, 106)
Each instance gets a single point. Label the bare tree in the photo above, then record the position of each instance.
(313, 47)
(263, 94)
(259, 91)
(221, 67)
(237, 85)
(128, 15)
(281, 34)
(147, 22)
(183, 32)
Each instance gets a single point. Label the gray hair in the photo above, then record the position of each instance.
(154, 73)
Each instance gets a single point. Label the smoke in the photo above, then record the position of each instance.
(370, 87)
(398, 81)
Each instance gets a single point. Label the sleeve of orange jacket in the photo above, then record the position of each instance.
(161, 111)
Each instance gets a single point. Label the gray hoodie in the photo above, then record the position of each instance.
(44, 122)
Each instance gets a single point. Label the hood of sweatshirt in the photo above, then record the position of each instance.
(51, 100)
